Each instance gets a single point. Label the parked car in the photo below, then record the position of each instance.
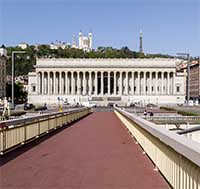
(28, 106)
(132, 105)
(151, 105)
(110, 104)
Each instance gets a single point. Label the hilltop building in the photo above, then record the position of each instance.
(85, 42)
(23, 45)
(57, 45)
(3, 51)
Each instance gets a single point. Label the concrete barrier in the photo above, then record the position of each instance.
(14, 133)
(175, 156)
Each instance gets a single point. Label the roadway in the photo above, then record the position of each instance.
(93, 153)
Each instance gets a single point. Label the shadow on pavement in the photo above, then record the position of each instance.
(22, 149)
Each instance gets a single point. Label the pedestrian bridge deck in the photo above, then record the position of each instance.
(95, 152)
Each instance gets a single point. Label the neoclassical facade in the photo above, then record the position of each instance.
(101, 81)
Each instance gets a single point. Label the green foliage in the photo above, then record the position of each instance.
(15, 112)
(183, 113)
(167, 109)
(24, 63)
(20, 95)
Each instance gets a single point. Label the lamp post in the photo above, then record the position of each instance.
(13, 72)
(188, 74)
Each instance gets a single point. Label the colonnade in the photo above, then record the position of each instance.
(105, 83)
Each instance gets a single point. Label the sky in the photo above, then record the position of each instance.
(168, 26)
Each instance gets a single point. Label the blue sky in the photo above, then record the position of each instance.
(168, 26)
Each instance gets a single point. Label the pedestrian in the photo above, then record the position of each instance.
(151, 113)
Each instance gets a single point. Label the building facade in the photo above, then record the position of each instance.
(195, 81)
(85, 42)
(23, 45)
(102, 81)
(3, 51)
(2, 76)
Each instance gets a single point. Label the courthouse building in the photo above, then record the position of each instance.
(103, 81)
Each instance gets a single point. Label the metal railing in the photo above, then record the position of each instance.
(172, 118)
(16, 132)
(175, 156)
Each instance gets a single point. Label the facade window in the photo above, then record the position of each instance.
(178, 89)
(33, 88)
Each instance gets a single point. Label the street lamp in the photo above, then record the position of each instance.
(188, 74)
(13, 72)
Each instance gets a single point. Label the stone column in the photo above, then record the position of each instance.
(108, 83)
(60, 83)
(54, 83)
(90, 83)
(73, 83)
(44, 84)
(43, 87)
(144, 83)
(78, 83)
(66, 84)
(102, 83)
(168, 83)
(114, 83)
(162, 82)
(120, 83)
(150, 83)
(96, 83)
(126, 85)
(49, 83)
(132, 83)
(173, 83)
(84, 83)
(156, 83)
(138, 83)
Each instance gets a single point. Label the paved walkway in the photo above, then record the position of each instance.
(94, 153)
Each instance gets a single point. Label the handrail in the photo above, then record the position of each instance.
(16, 132)
(175, 156)
(171, 117)
(182, 145)
(17, 121)
(189, 130)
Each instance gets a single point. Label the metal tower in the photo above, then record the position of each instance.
(141, 45)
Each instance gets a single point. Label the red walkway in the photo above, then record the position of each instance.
(94, 153)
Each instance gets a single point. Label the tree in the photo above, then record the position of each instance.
(24, 63)
(19, 94)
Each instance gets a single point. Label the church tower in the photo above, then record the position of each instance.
(74, 45)
(141, 45)
(80, 39)
(85, 42)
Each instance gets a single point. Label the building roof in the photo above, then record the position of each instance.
(118, 63)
